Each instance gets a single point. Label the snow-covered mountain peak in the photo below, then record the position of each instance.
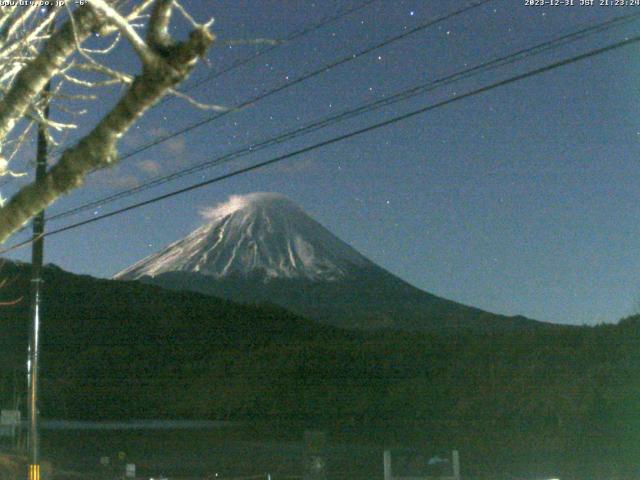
(258, 233)
(250, 202)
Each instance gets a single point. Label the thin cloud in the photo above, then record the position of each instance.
(113, 178)
(149, 167)
(176, 146)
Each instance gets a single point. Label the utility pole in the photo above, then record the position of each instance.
(37, 255)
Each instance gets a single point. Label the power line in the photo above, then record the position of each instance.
(333, 119)
(399, 118)
(304, 78)
(244, 61)
(312, 74)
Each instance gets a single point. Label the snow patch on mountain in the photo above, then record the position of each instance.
(259, 233)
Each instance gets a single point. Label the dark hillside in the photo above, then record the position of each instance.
(568, 395)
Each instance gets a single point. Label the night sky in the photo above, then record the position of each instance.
(521, 200)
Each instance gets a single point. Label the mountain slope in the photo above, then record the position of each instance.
(366, 299)
(262, 247)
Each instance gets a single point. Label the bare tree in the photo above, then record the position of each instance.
(33, 53)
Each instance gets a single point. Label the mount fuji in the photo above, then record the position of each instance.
(259, 232)
(263, 248)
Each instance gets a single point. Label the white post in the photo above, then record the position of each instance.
(387, 465)
(455, 460)
(130, 470)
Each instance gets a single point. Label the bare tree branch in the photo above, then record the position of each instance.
(165, 64)
(158, 33)
(31, 80)
(140, 46)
